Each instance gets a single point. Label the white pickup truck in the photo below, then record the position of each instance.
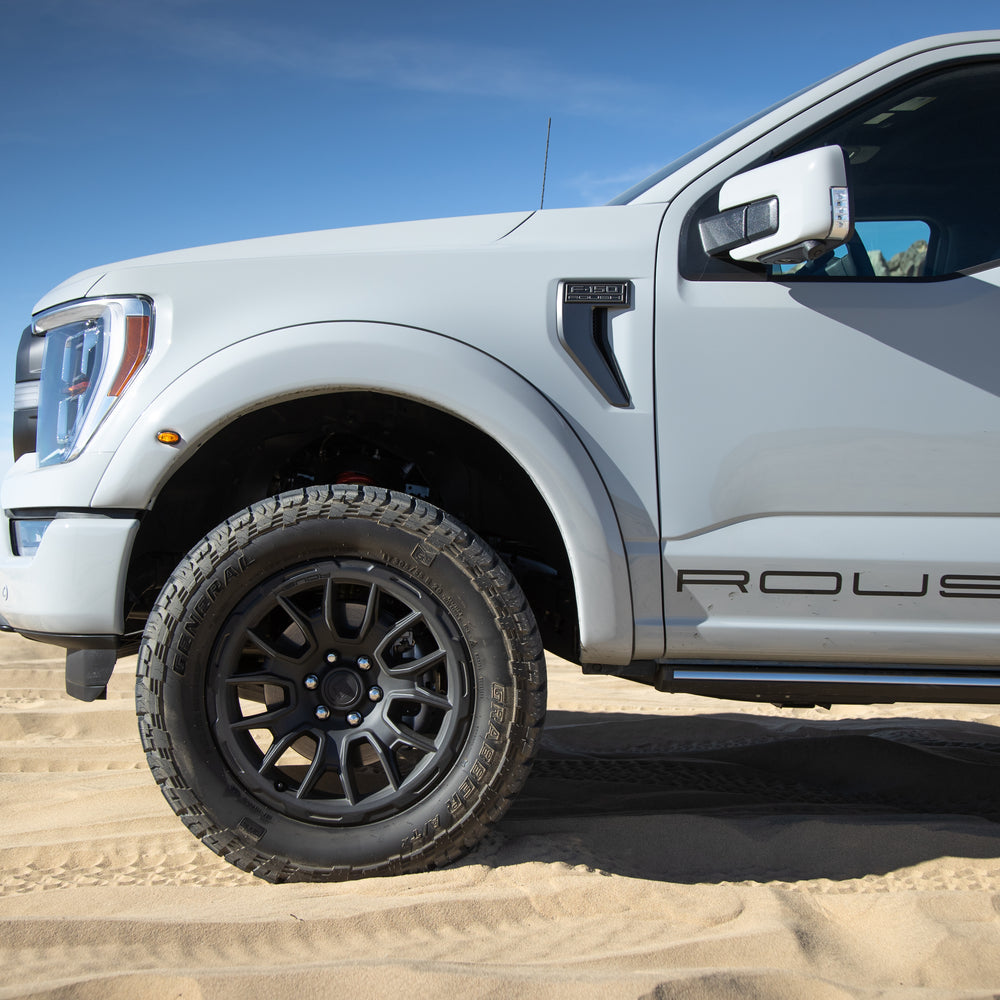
(735, 433)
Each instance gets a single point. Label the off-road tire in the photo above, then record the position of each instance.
(380, 611)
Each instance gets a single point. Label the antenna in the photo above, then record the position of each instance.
(545, 169)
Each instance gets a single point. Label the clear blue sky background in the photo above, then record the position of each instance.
(133, 126)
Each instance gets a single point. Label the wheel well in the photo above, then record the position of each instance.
(374, 439)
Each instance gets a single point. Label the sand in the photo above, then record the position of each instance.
(665, 846)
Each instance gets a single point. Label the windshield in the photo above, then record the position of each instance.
(643, 186)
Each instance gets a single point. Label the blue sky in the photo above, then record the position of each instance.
(128, 127)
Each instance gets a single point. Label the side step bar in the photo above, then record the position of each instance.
(804, 684)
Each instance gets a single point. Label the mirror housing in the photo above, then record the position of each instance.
(786, 212)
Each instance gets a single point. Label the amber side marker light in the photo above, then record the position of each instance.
(168, 437)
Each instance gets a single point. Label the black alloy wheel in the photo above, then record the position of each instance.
(341, 693)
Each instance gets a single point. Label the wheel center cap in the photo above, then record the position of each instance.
(342, 688)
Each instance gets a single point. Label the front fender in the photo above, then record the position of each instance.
(420, 365)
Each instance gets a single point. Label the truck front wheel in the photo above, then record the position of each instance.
(338, 682)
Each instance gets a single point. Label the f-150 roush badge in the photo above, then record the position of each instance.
(833, 583)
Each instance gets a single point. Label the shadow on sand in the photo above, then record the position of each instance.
(751, 800)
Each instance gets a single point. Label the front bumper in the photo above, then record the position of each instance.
(74, 585)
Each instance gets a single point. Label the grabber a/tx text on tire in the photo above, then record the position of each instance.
(337, 682)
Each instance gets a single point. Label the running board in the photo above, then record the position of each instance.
(826, 684)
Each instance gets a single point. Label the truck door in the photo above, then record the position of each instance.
(829, 432)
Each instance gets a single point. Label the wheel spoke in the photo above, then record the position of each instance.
(396, 631)
(408, 668)
(367, 620)
(371, 610)
(346, 778)
(277, 748)
(331, 755)
(319, 765)
(265, 647)
(300, 619)
(304, 625)
(262, 720)
(329, 592)
(414, 739)
(272, 651)
(422, 696)
(262, 677)
(387, 761)
(429, 698)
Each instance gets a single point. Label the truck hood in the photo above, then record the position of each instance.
(429, 235)
(488, 282)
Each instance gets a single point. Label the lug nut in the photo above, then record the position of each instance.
(354, 719)
(375, 694)
(322, 712)
(364, 663)
(311, 682)
(331, 657)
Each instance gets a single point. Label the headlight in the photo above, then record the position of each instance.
(93, 348)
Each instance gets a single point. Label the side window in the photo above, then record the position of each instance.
(922, 167)
(896, 249)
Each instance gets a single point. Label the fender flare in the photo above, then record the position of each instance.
(417, 364)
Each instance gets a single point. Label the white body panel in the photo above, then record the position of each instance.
(862, 399)
(75, 584)
(838, 588)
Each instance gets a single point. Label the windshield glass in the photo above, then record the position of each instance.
(643, 186)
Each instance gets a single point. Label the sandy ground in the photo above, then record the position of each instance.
(665, 846)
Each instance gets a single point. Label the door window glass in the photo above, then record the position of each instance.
(922, 166)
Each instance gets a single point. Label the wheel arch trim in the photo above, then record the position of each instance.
(429, 368)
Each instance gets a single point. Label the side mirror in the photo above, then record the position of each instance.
(785, 212)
